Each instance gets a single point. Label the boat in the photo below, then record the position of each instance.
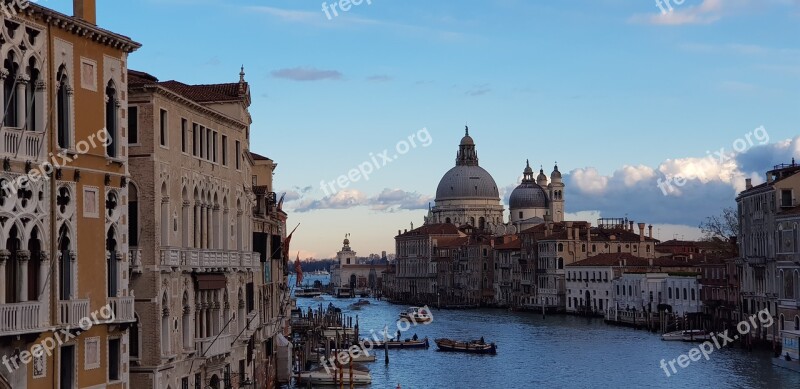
(320, 376)
(361, 302)
(355, 357)
(687, 336)
(417, 315)
(322, 272)
(354, 307)
(307, 292)
(472, 347)
(319, 298)
(407, 343)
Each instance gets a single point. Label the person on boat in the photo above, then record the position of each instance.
(482, 340)
(414, 338)
(398, 335)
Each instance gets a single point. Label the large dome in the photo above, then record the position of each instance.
(467, 182)
(527, 195)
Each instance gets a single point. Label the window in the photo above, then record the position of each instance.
(225, 150)
(111, 120)
(202, 132)
(238, 154)
(693, 296)
(786, 198)
(194, 138)
(10, 91)
(62, 106)
(184, 125)
(133, 125)
(520, 214)
(560, 247)
(113, 359)
(214, 147)
(185, 383)
(198, 382)
(669, 292)
(208, 144)
(255, 180)
(685, 295)
(163, 128)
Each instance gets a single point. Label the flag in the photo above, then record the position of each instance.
(299, 270)
(286, 243)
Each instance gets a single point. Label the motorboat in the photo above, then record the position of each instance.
(687, 336)
(319, 298)
(307, 292)
(417, 315)
(401, 344)
(472, 347)
(361, 302)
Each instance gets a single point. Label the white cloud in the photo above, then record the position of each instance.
(589, 180)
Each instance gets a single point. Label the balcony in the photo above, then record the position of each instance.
(20, 318)
(70, 312)
(20, 144)
(208, 259)
(208, 347)
(135, 256)
(122, 308)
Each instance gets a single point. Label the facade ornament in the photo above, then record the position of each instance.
(73, 255)
(4, 255)
(23, 255)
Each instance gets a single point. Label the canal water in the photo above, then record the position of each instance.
(553, 352)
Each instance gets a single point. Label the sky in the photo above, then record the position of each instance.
(623, 94)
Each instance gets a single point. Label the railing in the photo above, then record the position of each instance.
(21, 144)
(70, 312)
(122, 308)
(135, 255)
(20, 317)
(208, 347)
(207, 258)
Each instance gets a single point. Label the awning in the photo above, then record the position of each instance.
(210, 281)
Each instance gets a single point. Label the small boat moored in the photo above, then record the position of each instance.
(307, 292)
(687, 336)
(321, 377)
(408, 343)
(472, 347)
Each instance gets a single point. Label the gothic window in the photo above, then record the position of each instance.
(63, 109)
(112, 143)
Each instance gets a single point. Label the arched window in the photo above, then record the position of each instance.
(112, 143)
(10, 91)
(164, 215)
(685, 295)
(693, 294)
(111, 262)
(63, 109)
(64, 264)
(165, 343)
(560, 247)
(669, 292)
(134, 338)
(32, 104)
(186, 323)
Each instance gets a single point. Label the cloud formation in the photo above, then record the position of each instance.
(306, 74)
(389, 200)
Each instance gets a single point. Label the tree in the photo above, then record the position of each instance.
(721, 227)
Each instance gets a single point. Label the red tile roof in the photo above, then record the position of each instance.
(259, 157)
(432, 229)
(199, 93)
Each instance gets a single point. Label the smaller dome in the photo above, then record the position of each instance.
(467, 140)
(556, 173)
(528, 195)
(541, 176)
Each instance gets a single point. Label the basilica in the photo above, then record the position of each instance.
(468, 195)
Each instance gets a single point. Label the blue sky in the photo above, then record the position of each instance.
(615, 91)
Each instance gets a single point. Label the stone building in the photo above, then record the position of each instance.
(416, 275)
(64, 236)
(272, 361)
(788, 268)
(352, 276)
(758, 207)
(191, 209)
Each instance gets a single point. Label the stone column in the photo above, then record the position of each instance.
(38, 109)
(23, 257)
(44, 298)
(4, 254)
(22, 86)
(3, 75)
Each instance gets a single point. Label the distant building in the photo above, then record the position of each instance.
(349, 275)
(788, 268)
(758, 209)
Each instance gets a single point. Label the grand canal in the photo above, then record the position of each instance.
(552, 352)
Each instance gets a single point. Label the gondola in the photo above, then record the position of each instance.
(472, 347)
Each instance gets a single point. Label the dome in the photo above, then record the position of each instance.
(467, 182)
(556, 173)
(528, 195)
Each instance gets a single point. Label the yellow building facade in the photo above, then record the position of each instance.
(65, 304)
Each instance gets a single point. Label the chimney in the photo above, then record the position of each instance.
(650, 231)
(641, 232)
(569, 229)
(86, 10)
(631, 229)
(748, 183)
(589, 232)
